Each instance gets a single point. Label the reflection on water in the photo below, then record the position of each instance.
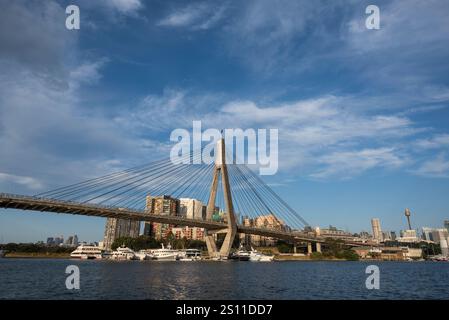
(45, 279)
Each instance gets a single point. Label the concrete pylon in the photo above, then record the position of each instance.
(231, 230)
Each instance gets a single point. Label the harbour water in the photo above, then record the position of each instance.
(45, 279)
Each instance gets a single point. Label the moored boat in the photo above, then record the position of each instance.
(123, 253)
(257, 256)
(86, 252)
(166, 254)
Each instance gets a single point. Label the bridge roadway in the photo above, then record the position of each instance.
(10, 201)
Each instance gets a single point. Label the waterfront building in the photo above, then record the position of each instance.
(441, 236)
(190, 233)
(117, 228)
(377, 231)
(389, 253)
(388, 236)
(427, 233)
(162, 205)
(408, 236)
(333, 232)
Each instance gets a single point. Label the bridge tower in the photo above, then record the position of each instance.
(231, 230)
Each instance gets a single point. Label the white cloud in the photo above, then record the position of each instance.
(196, 16)
(435, 142)
(28, 182)
(312, 132)
(347, 164)
(435, 168)
(124, 6)
(86, 73)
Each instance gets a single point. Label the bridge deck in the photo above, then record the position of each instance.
(50, 205)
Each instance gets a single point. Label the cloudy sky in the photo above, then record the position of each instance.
(362, 114)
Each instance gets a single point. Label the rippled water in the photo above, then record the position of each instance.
(45, 279)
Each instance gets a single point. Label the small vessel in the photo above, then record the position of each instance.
(190, 255)
(2, 253)
(165, 253)
(257, 256)
(220, 258)
(142, 255)
(123, 253)
(242, 254)
(87, 252)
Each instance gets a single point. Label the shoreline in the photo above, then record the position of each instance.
(36, 255)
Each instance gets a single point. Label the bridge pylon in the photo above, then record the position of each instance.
(231, 230)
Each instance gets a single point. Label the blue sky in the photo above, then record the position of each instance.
(362, 114)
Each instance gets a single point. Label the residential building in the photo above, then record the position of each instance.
(162, 205)
(266, 221)
(377, 231)
(117, 228)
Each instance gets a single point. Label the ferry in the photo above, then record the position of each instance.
(87, 252)
(166, 254)
(123, 253)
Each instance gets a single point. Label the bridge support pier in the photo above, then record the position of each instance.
(220, 170)
(318, 247)
(309, 248)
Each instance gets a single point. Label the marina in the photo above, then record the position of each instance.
(87, 252)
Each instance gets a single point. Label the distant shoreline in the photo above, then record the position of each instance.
(37, 255)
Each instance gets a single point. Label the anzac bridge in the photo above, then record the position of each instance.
(232, 188)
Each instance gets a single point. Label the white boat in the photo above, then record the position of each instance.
(190, 255)
(87, 252)
(257, 256)
(242, 254)
(165, 254)
(142, 255)
(220, 258)
(123, 253)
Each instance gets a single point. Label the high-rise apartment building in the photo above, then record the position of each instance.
(269, 221)
(117, 228)
(377, 231)
(162, 205)
(191, 208)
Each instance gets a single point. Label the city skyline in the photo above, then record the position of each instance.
(361, 135)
